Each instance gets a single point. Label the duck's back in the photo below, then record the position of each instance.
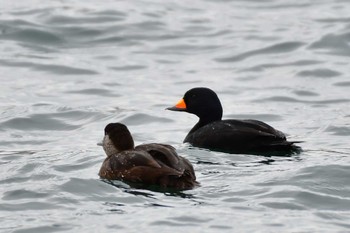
(239, 136)
(153, 164)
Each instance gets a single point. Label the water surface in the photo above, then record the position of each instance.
(70, 67)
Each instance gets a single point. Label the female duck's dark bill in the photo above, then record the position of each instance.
(180, 106)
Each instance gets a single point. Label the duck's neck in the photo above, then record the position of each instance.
(202, 122)
(205, 118)
(109, 147)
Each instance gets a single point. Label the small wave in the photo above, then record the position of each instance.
(337, 44)
(293, 100)
(37, 122)
(49, 228)
(28, 206)
(94, 91)
(285, 47)
(56, 119)
(266, 66)
(27, 32)
(312, 187)
(23, 194)
(100, 18)
(319, 73)
(128, 67)
(182, 49)
(340, 131)
(141, 119)
(49, 68)
(305, 93)
(342, 84)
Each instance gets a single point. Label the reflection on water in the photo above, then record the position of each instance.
(69, 68)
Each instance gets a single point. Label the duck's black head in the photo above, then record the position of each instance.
(202, 102)
(117, 138)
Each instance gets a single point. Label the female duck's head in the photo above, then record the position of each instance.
(117, 138)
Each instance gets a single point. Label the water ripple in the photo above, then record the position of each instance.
(100, 17)
(37, 122)
(293, 100)
(320, 73)
(43, 229)
(340, 131)
(259, 68)
(337, 44)
(95, 91)
(27, 32)
(50, 68)
(70, 67)
(128, 67)
(23, 194)
(342, 84)
(141, 118)
(284, 47)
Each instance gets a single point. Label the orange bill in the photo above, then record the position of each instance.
(180, 106)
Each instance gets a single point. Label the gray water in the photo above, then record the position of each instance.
(67, 68)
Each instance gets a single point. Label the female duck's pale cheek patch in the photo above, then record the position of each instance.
(108, 146)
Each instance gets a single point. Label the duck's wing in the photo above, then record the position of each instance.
(164, 154)
(133, 158)
(237, 136)
(239, 130)
(134, 166)
(259, 127)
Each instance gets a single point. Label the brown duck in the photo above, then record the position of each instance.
(148, 164)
